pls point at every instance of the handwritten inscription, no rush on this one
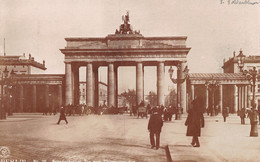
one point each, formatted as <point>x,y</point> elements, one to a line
<point>240,2</point>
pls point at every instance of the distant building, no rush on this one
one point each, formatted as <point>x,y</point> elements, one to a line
<point>232,90</point>
<point>231,66</point>
<point>21,65</point>
<point>27,90</point>
<point>102,93</point>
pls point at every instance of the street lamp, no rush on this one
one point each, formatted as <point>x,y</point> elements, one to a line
<point>241,60</point>
<point>212,84</point>
<point>178,81</point>
<point>251,76</point>
<point>8,82</point>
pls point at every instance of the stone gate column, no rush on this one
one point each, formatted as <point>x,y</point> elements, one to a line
<point>240,97</point>
<point>76,84</point>
<point>243,96</point>
<point>139,83</point>
<point>34,98</point>
<point>90,85</point>
<point>183,88</point>
<point>221,97</point>
<point>192,92</point>
<point>160,83</point>
<point>207,97</point>
<point>116,86</point>
<point>21,98</point>
<point>235,96</point>
<point>68,88</point>
<point>59,95</point>
<point>248,96</point>
<point>96,85</point>
<point>111,85</point>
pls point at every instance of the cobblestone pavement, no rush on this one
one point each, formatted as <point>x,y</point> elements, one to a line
<point>220,141</point>
<point>93,138</point>
<point>124,138</point>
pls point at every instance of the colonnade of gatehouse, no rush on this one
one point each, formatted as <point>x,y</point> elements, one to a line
<point>92,74</point>
<point>222,90</point>
<point>36,93</point>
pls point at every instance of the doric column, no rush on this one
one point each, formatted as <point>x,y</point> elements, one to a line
<point>183,87</point>
<point>76,84</point>
<point>21,98</point>
<point>90,85</point>
<point>160,83</point>
<point>207,98</point>
<point>116,86</point>
<point>248,96</point>
<point>34,98</point>
<point>235,96</point>
<point>59,95</point>
<point>68,88</point>
<point>243,96</point>
<point>111,85</point>
<point>47,99</point>
<point>96,85</point>
<point>139,83</point>
<point>221,97</point>
<point>240,97</point>
<point>192,92</point>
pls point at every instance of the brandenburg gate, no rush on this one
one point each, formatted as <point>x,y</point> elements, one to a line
<point>124,48</point>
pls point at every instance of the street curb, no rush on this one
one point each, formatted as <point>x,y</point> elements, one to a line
<point>168,154</point>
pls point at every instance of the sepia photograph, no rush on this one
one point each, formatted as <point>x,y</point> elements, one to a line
<point>129,80</point>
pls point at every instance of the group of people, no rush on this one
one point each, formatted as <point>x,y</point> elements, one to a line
<point>245,113</point>
<point>194,123</point>
<point>165,111</point>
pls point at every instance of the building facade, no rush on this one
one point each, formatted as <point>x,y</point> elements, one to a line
<point>24,91</point>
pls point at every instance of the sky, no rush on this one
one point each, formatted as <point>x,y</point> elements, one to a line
<point>214,28</point>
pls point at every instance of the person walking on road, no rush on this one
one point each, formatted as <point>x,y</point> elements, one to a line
<point>154,126</point>
<point>62,116</point>
<point>194,122</point>
<point>225,113</point>
<point>242,114</point>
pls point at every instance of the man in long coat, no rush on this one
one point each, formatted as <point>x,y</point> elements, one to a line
<point>225,113</point>
<point>62,116</point>
<point>195,121</point>
<point>155,126</point>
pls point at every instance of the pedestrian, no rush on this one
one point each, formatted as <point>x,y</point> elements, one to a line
<point>225,113</point>
<point>154,126</point>
<point>165,114</point>
<point>242,114</point>
<point>62,116</point>
<point>171,111</point>
<point>194,122</point>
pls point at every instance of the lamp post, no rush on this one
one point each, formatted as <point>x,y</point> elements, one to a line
<point>212,84</point>
<point>178,81</point>
<point>251,76</point>
<point>7,88</point>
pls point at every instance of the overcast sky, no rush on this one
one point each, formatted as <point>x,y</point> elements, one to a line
<point>214,30</point>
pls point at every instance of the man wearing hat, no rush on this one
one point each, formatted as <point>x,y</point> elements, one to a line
<point>62,115</point>
<point>154,126</point>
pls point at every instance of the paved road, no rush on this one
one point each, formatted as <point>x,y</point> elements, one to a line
<point>220,141</point>
<point>93,137</point>
<point>124,138</point>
